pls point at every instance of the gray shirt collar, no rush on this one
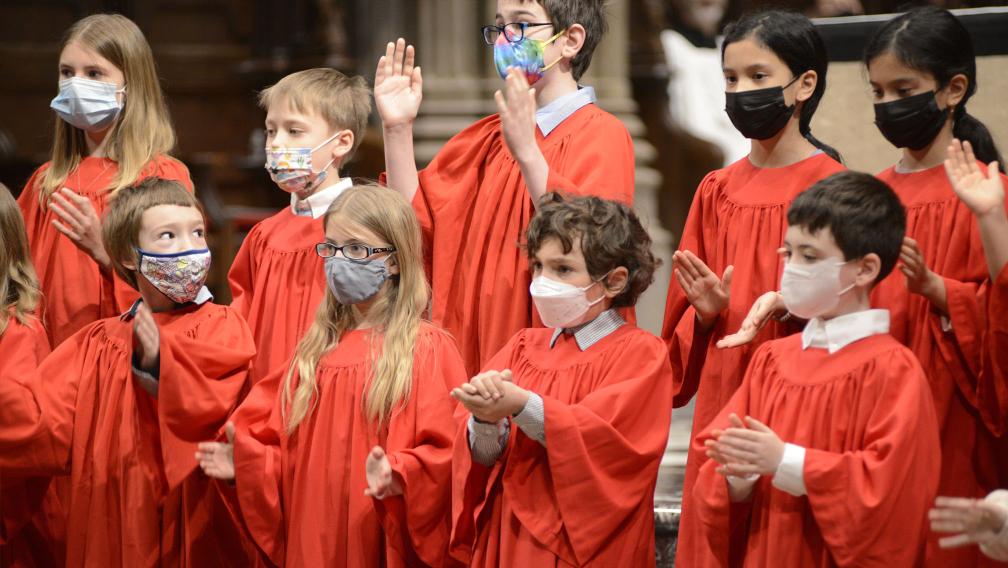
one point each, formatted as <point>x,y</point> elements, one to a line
<point>551,115</point>
<point>590,333</point>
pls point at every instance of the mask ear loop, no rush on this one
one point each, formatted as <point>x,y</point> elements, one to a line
<point>547,42</point>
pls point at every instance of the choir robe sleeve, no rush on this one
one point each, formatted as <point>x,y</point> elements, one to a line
<point>241,276</point>
<point>864,501</point>
<point>686,340</point>
<point>259,430</point>
<point>603,452</point>
<point>36,423</point>
<point>419,448</point>
<point>203,372</point>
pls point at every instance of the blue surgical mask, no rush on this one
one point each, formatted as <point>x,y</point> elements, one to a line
<point>86,104</point>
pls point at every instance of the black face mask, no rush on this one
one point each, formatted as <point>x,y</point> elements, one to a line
<point>761,113</point>
<point>912,122</point>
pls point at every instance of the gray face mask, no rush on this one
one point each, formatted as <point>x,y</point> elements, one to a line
<point>353,282</point>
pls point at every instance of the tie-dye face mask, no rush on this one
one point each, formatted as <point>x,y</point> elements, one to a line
<point>526,54</point>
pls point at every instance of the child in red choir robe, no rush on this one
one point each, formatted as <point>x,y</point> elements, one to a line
<point>113,130</point>
<point>828,453</point>
<point>775,67</point>
<point>23,345</point>
<point>475,199</point>
<point>112,407</point>
<point>343,457</point>
<point>315,120</point>
<point>923,72</point>
<point>557,457</point>
<point>981,521</point>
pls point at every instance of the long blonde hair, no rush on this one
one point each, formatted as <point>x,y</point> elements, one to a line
<point>19,289</point>
<point>143,130</point>
<point>396,312</point>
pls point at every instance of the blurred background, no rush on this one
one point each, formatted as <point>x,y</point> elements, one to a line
<point>658,69</point>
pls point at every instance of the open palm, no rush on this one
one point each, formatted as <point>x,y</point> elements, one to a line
<point>398,86</point>
<point>981,191</point>
<point>217,458</point>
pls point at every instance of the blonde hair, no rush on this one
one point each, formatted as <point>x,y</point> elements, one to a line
<point>143,130</point>
<point>395,313</point>
<point>19,287</point>
<point>124,218</point>
<point>344,102</point>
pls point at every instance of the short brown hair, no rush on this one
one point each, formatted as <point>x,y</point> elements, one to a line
<point>591,14</point>
<point>611,236</point>
<point>344,102</point>
<point>121,226</point>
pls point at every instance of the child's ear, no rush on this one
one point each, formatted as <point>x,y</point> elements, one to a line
<point>572,41</point>
<point>956,88</point>
<point>616,282</point>
<point>342,144</point>
<point>393,265</point>
<point>868,270</point>
<point>806,85</point>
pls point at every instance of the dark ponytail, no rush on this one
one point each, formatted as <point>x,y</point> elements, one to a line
<point>793,38</point>
<point>932,40</point>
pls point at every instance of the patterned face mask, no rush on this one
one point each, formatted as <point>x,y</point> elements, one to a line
<point>180,276</point>
<point>291,167</point>
<point>526,54</point>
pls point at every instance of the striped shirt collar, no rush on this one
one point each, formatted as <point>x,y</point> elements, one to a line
<point>588,334</point>
<point>202,297</point>
<point>553,114</point>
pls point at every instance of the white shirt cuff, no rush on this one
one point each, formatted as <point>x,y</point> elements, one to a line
<point>790,477</point>
<point>532,419</point>
<point>487,441</point>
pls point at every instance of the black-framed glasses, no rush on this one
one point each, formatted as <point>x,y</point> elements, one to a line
<point>351,251</point>
<point>513,32</point>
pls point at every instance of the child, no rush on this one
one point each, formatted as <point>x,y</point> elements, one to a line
<point>775,66</point>
<point>343,457</point>
<point>476,197</point>
<point>591,397</point>
<point>837,458</point>
<point>315,120</point>
<point>113,130</point>
<point>922,71</point>
<point>113,406</point>
<point>23,345</point>
<point>983,521</point>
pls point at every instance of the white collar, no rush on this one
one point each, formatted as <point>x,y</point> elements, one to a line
<point>203,296</point>
<point>836,333</point>
<point>319,201</point>
<point>553,114</point>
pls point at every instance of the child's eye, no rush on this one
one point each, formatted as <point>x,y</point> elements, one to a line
<point>199,233</point>
<point>94,74</point>
<point>730,80</point>
<point>166,235</point>
<point>904,92</point>
<point>809,258</point>
<point>66,73</point>
<point>759,76</point>
<point>270,133</point>
<point>294,131</point>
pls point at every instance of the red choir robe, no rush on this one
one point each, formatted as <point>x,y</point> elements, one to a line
<point>130,467</point>
<point>23,538</point>
<point>277,282</point>
<point>587,497</point>
<point>738,218</point>
<point>997,339</point>
<point>971,404</point>
<point>866,419</point>
<point>75,292</point>
<point>473,207</point>
<point>301,496</point>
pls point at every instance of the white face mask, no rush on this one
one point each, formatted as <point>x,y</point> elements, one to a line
<point>560,304</point>
<point>86,104</point>
<point>811,290</point>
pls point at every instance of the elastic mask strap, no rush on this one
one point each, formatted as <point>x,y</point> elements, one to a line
<point>330,139</point>
<point>549,41</point>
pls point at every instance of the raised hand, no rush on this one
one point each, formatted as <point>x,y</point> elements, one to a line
<point>79,222</point>
<point>759,314</point>
<point>976,520</point>
<point>148,337</point>
<point>919,278</point>
<point>381,481</point>
<point>217,458</point>
<point>708,293</point>
<point>982,192</point>
<point>398,86</point>
<point>516,105</point>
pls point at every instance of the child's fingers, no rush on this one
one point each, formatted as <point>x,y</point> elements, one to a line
<point>757,425</point>
<point>407,68</point>
<point>502,107</point>
<point>389,51</point>
<point>416,81</point>
<point>954,502</point>
<point>398,55</point>
<point>67,231</point>
<point>736,421</point>
<point>948,526</point>
<point>955,541</point>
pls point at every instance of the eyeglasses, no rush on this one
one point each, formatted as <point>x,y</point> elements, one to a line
<point>351,251</point>
<point>513,32</point>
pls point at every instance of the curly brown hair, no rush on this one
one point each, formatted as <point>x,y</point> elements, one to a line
<point>610,233</point>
